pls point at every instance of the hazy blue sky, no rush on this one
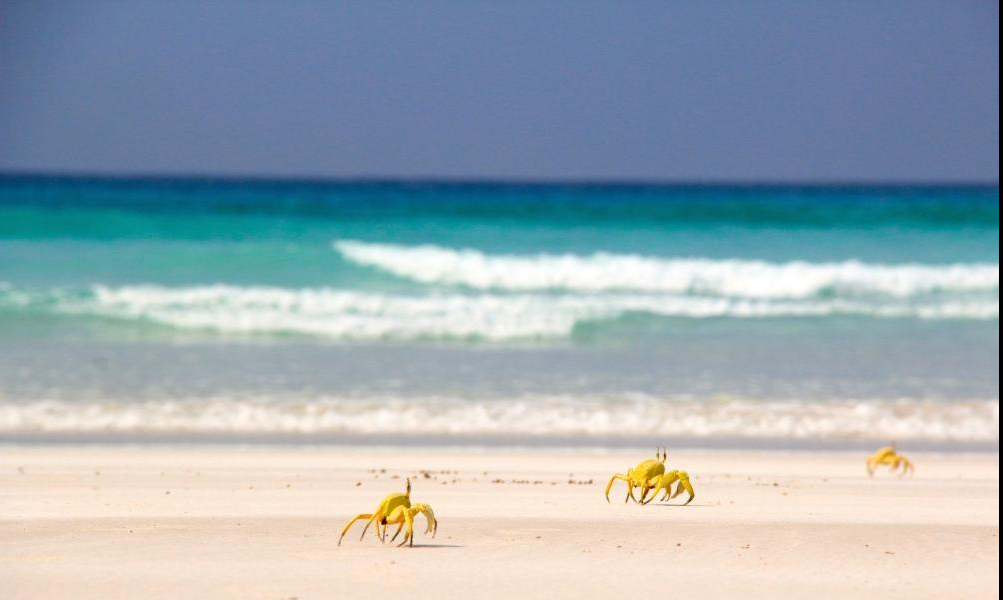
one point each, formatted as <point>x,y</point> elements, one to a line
<point>672,91</point>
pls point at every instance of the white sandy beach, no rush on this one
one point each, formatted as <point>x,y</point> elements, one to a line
<point>263,522</point>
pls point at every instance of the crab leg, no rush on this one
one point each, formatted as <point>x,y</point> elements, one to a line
<point>609,485</point>
<point>400,526</point>
<point>658,484</point>
<point>376,530</point>
<point>631,484</point>
<point>394,518</point>
<point>409,534</point>
<point>653,486</point>
<point>644,492</point>
<point>352,522</point>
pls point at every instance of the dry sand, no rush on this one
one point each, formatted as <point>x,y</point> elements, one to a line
<point>263,522</point>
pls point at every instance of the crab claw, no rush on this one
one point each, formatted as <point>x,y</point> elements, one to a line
<point>431,523</point>
<point>684,483</point>
<point>664,484</point>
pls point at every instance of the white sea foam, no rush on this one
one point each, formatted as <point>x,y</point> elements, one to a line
<point>353,315</point>
<point>627,415</point>
<point>627,272</point>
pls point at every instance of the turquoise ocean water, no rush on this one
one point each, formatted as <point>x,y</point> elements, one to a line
<point>497,313</point>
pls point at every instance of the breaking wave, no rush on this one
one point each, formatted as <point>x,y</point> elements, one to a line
<point>604,272</point>
<point>634,415</point>
<point>355,315</point>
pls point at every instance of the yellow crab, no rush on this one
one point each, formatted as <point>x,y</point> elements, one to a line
<point>888,456</point>
<point>665,482</point>
<point>395,509</point>
<point>643,475</point>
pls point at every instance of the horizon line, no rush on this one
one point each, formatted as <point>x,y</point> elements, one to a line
<point>73,175</point>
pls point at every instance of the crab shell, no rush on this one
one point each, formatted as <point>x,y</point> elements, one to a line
<point>391,502</point>
<point>645,471</point>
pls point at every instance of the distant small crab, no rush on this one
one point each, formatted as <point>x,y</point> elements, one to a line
<point>650,476</point>
<point>890,457</point>
<point>396,509</point>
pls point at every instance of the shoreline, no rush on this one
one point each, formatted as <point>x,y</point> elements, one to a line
<point>227,521</point>
<point>445,442</point>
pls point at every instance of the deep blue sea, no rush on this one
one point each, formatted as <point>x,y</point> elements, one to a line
<point>498,313</point>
